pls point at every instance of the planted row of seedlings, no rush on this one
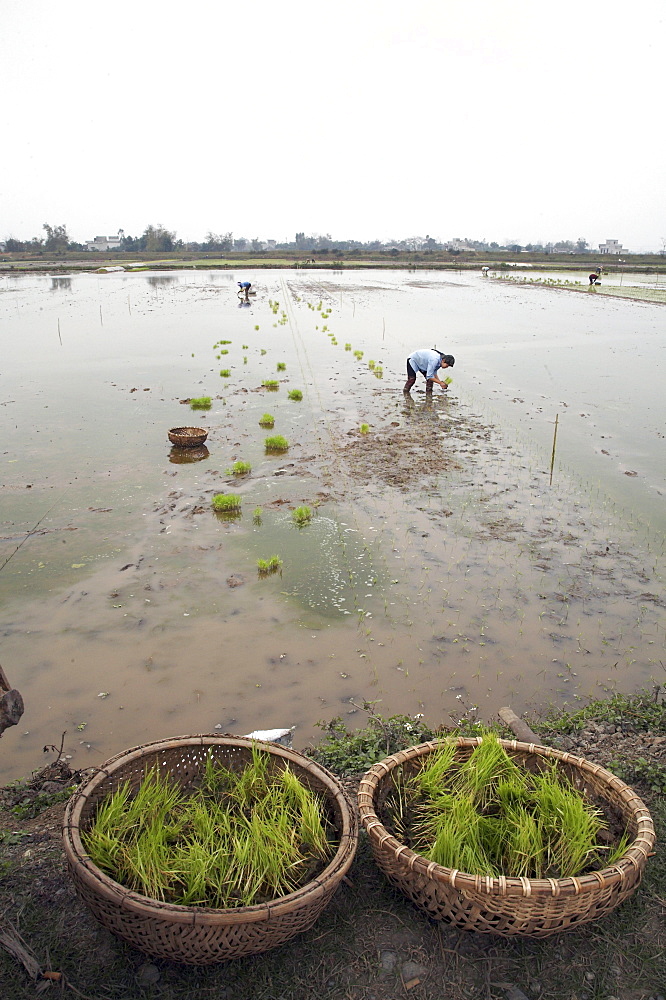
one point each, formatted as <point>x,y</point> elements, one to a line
<point>235,838</point>
<point>487,815</point>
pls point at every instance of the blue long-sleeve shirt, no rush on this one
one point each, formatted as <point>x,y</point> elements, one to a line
<point>427,362</point>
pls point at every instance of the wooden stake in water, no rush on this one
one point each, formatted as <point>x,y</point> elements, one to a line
<point>59,337</point>
<point>552,457</point>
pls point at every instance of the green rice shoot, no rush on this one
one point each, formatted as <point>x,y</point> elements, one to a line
<point>267,420</point>
<point>201,403</point>
<point>236,838</point>
<point>226,503</point>
<point>276,442</point>
<point>488,815</point>
<point>295,394</point>
<point>270,565</point>
<point>239,468</point>
<point>302,515</point>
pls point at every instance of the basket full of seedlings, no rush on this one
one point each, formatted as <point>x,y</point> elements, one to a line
<point>505,837</point>
<point>206,848</point>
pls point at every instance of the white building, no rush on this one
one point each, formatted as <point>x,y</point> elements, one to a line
<point>105,242</point>
<point>611,246</point>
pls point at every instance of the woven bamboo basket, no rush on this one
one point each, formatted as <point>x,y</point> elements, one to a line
<point>505,905</point>
<point>188,437</point>
<point>190,934</point>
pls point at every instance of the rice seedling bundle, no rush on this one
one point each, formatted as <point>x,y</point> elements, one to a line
<point>226,503</point>
<point>201,403</point>
<point>267,420</point>
<point>237,838</point>
<point>271,383</point>
<point>276,442</point>
<point>295,394</point>
<point>239,468</point>
<point>302,515</point>
<point>489,816</point>
<point>271,565</point>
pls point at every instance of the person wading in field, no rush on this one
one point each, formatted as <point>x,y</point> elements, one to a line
<point>428,362</point>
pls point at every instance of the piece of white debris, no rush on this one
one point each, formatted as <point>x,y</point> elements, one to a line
<point>281,736</point>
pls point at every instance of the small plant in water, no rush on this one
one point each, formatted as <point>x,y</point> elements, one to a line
<point>271,383</point>
<point>302,515</point>
<point>226,503</point>
<point>295,394</point>
<point>371,364</point>
<point>263,351</point>
<point>281,366</point>
<point>347,347</point>
<point>240,468</point>
<point>364,428</point>
<point>358,355</point>
<point>201,403</point>
<point>379,372</point>
<point>225,351</point>
<point>256,515</point>
<point>266,566</point>
<point>225,372</point>
<point>267,420</point>
<point>276,443</point>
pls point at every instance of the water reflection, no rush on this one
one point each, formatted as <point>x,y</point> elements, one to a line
<point>60,284</point>
<point>183,456</point>
<point>155,280</point>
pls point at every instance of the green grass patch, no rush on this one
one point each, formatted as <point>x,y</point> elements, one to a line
<point>271,383</point>
<point>364,428</point>
<point>267,420</point>
<point>201,403</point>
<point>295,394</point>
<point>225,372</point>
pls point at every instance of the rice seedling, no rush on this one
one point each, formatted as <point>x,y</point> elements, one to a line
<point>225,372</point>
<point>222,342</point>
<point>379,373</point>
<point>225,351</point>
<point>233,838</point>
<point>358,355</point>
<point>302,515</point>
<point>281,366</point>
<point>256,515</point>
<point>271,383</point>
<point>295,394</point>
<point>244,360</point>
<point>448,380</point>
<point>245,347</point>
<point>263,351</point>
<point>276,442</point>
<point>226,503</point>
<point>239,468</point>
<point>371,364</point>
<point>487,815</point>
<point>267,420</point>
<point>266,566</point>
<point>201,403</point>
<point>364,428</point>
<point>256,327</point>
<point>347,347</point>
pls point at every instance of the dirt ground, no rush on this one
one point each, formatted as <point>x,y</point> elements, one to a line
<point>370,943</point>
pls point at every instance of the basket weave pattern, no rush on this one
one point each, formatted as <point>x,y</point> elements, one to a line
<point>198,935</point>
<point>187,437</point>
<point>505,905</point>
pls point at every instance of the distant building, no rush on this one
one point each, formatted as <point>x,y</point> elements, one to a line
<point>611,246</point>
<point>105,242</point>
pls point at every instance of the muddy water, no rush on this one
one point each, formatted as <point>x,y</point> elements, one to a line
<point>440,571</point>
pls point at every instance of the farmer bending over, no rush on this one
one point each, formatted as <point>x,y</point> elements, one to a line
<point>595,276</point>
<point>428,363</point>
<point>244,288</point>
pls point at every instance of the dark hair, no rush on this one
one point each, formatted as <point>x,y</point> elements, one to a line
<point>449,359</point>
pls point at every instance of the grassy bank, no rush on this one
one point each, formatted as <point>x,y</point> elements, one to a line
<point>370,944</point>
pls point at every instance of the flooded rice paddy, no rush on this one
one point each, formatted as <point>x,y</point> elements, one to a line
<point>441,572</point>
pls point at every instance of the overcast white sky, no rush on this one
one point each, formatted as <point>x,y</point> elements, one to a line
<point>506,120</point>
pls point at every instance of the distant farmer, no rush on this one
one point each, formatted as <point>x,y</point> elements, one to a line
<point>428,362</point>
<point>244,288</point>
<point>595,276</point>
<point>484,271</point>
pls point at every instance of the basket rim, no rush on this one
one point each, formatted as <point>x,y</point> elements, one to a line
<point>182,430</point>
<point>632,861</point>
<point>96,879</point>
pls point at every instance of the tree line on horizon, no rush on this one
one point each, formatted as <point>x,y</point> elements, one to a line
<point>158,239</point>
